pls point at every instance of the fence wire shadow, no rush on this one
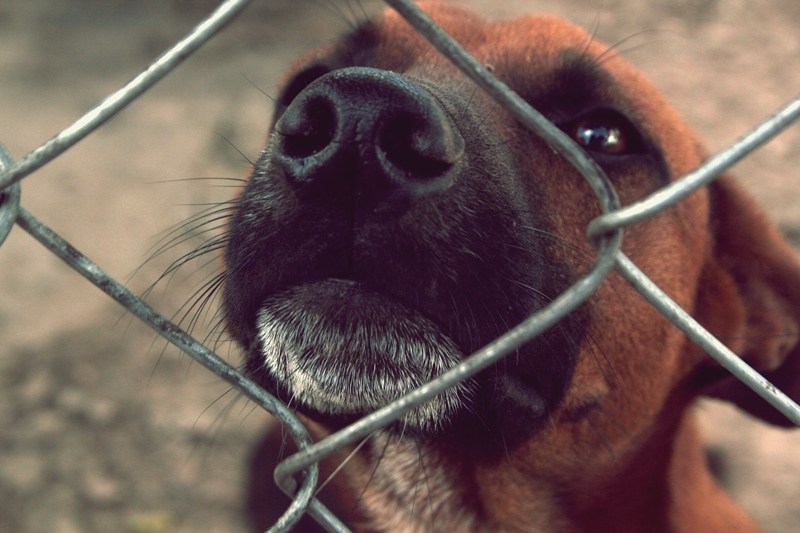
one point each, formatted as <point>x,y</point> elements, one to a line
<point>298,474</point>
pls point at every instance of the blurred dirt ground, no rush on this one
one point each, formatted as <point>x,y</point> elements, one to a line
<point>102,428</point>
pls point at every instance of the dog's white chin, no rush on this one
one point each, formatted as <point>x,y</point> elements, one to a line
<point>341,349</point>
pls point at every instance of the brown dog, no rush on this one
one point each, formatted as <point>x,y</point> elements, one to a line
<point>399,220</point>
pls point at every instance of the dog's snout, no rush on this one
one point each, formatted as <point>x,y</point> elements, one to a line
<point>372,133</point>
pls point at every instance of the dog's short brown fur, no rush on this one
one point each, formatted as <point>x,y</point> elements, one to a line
<point>396,205</point>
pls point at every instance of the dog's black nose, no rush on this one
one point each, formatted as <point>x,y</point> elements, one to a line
<point>369,135</point>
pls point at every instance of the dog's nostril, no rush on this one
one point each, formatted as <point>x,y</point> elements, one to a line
<point>412,146</point>
<point>307,129</point>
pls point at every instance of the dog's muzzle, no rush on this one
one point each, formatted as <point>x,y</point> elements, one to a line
<point>360,141</point>
<point>384,235</point>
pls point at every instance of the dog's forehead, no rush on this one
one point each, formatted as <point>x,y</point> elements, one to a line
<point>539,42</point>
<point>537,55</point>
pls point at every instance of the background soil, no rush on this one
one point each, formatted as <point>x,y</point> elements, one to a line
<point>102,428</point>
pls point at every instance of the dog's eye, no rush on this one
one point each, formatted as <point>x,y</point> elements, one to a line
<point>606,131</point>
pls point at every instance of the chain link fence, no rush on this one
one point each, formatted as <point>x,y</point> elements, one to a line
<point>298,475</point>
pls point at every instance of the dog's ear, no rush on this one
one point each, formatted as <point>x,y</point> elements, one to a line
<point>750,297</point>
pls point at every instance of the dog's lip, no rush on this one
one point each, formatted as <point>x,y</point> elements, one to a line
<point>341,348</point>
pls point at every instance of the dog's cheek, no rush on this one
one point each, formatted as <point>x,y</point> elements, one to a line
<point>636,363</point>
<point>531,387</point>
<point>615,372</point>
<point>527,387</point>
<point>612,374</point>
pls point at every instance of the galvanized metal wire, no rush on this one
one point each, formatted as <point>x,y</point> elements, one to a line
<point>298,474</point>
<point>9,199</point>
<point>118,100</point>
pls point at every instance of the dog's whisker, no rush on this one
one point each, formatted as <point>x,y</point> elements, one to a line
<point>592,38</point>
<point>186,231</point>
<point>603,362</point>
<point>561,241</point>
<point>468,103</point>
<point>616,48</point>
<point>335,8</point>
<point>426,479</point>
<point>234,396</point>
<point>495,108</point>
<point>220,224</point>
<point>237,181</point>
<point>342,464</point>
<point>218,331</point>
<point>258,88</point>
<point>600,432</point>
<point>353,8</point>
<point>372,475</point>
<point>420,472</point>
<point>194,223</point>
<point>238,151</point>
<point>209,246</point>
<point>202,301</point>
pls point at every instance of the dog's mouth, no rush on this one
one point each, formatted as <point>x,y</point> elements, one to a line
<point>339,348</point>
